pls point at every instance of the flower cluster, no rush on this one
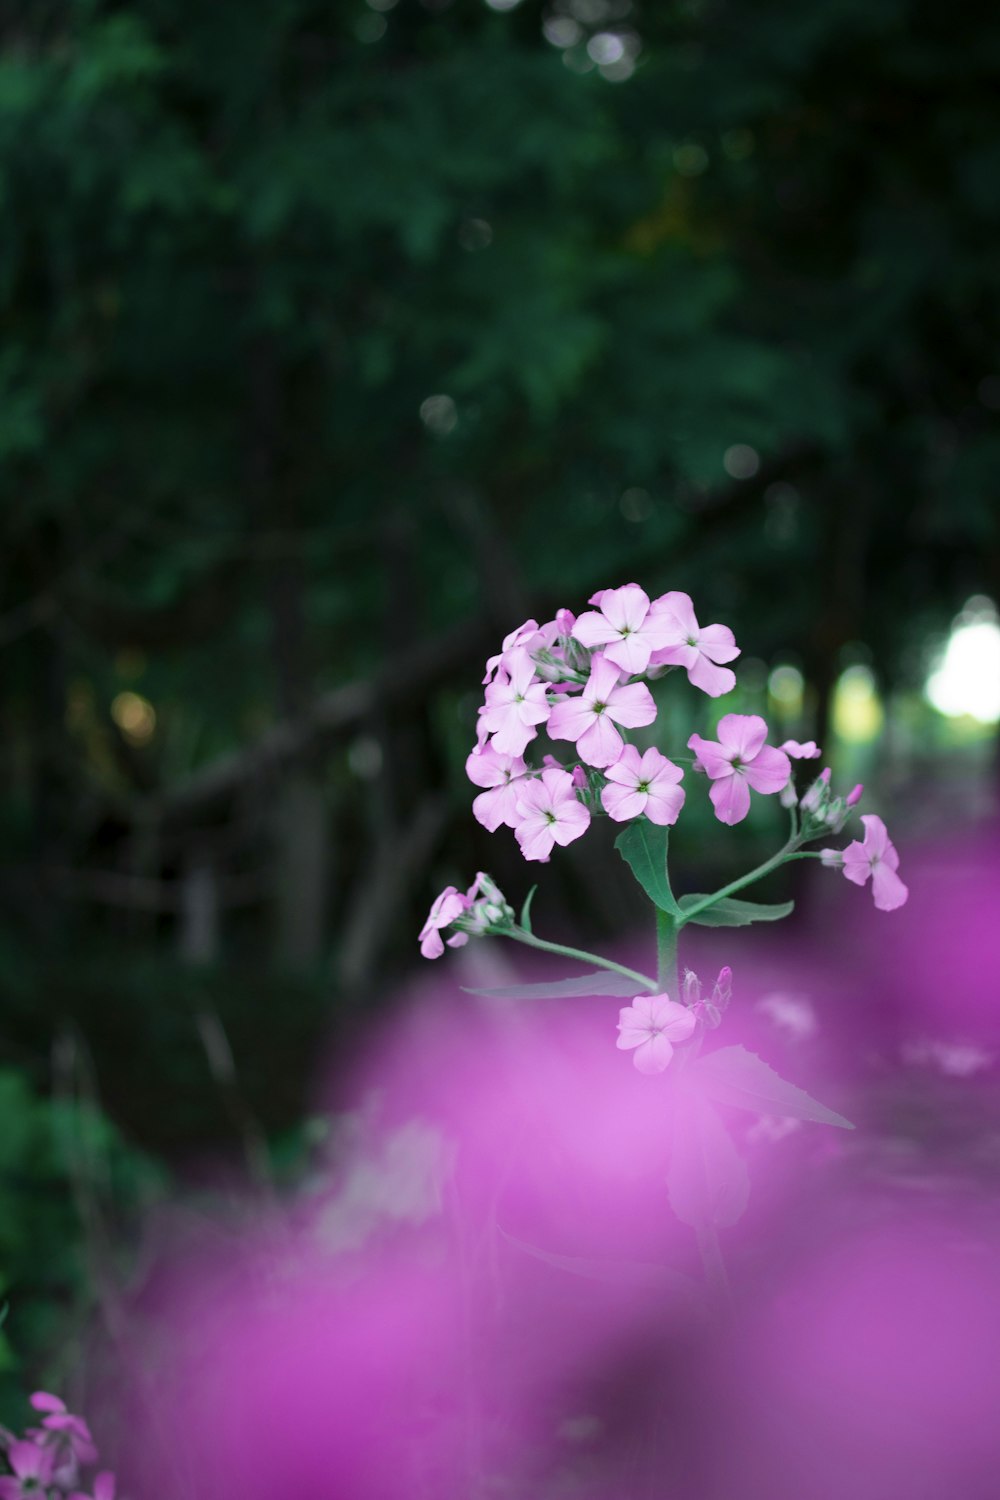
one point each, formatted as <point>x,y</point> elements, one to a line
<point>49,1461</point>
<point>576,677</point>
<point>579,679</point>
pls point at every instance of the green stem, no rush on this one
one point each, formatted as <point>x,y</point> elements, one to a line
<point>520,936</point>
<point>666,954</point>
<point>690,912</point>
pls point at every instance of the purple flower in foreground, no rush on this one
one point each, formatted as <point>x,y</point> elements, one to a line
<point>875,857</point>
<point>651,1025</point>
<point>643,784</point>
<point>737,761</point>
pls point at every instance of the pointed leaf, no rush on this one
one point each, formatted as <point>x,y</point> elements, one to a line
<point>707,1181</point>
<point>732,1075</point>
<point>643,847</point>
<point>731,913</point>
<point>644,1273</point>
<point>526,909</point>
<point>599,982</point>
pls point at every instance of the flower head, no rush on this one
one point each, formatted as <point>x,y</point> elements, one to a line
<point>626,625</point>
<point>548,812</point>
<point>643,784</point>
<point>651,1025</point>
<point>449,905</point>
<point>697,648</point>
<point>737,761</point>
<point>515,704</point>
<point>876,857</point>
<point>590,719</point>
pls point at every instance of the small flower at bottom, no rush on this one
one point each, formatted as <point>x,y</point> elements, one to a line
<point>651,1025</point>
<point>449,905</point>
<point>875,857</point>
<point>549,812</point>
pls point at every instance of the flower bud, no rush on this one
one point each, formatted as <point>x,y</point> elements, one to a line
<point>691,988</point>
<point>854,797</point>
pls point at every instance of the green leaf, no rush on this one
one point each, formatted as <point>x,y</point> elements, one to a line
<point>643,847</point>
<point>526,909</point>
<point>730,913</point>
<point>732,1075</point>
<point>600,982</point>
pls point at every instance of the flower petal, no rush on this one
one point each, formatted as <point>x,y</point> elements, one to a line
<point>622,803</point>
<point>630,652</point>
<point>654,1055</point>
<point>769,771</point>
<point>730,798</point>
<point>632,705</point>
<point>887,888</point>
<point>594,629</point>
<point>710,679</point>
<point>602,744</point>
<point>664,803</point>
<point>718,643</point>
<point>569,719</point>
<point>711,757</point>
<point>743,733</point>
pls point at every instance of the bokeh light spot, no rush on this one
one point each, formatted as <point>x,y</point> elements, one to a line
<point>966,681</point>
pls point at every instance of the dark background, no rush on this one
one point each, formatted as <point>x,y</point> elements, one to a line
<point>336,341</point>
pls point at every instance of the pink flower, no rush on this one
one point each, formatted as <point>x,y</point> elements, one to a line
<point>32,1468</point>
<point>549,812</point>
<point>626,625</point>
<point>696,648</point>
<point>643,784</point>
<point>500,773</point>
<point>590,719</point>
<point>876,857</point>
<point>515,704</point>
<point>738,760</point>
<point>449,905</point>
<point>807,751</point>
<point>652,1024</point>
